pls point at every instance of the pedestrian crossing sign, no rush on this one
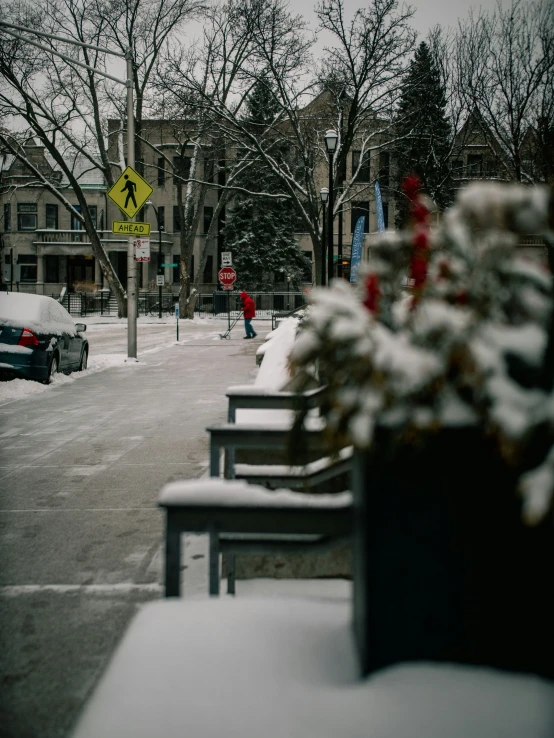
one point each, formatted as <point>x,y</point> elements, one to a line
<point>130,192</point>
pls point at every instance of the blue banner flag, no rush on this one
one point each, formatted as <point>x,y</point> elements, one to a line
<point>379,206</point>
<point>357,241</point>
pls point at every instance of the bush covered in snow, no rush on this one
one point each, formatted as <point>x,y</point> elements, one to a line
<point>471,343</point>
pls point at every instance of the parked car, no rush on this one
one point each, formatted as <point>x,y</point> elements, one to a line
<point>39,338</point>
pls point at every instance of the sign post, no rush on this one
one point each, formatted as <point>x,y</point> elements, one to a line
<point>129,193</point>
<point>227,276</point>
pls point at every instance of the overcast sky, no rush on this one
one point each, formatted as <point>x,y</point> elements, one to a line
<point>428,13</point>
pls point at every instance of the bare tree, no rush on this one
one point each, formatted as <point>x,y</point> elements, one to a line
<point>145,27</point>
<point>506,63</point>
<point>253,40</point>
<point>192,86</point>
<point>65,106</point>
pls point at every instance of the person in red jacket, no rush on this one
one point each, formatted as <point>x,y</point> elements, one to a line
<point>249,311</point>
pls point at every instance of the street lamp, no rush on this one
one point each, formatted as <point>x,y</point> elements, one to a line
<point>160,257</point>
<point>331,138</point>
<point>324,194</point>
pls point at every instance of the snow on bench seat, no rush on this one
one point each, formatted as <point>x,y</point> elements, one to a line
<point>282,470</point>
<point>214,492</point>
<point>286,668</point>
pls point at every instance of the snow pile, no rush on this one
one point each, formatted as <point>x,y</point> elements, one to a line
<point>274,371</point>
<point>472,345</point>
<point>20,389</point>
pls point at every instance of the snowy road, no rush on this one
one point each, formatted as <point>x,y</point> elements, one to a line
<point>81,465</point>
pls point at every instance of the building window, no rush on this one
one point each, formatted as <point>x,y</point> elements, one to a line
<point>307,272</point>
<point>26,216</point>
<point>208,215</point>
<point>181,166</point>
<point>161,171</point>
<point>7,216</point>
<point>208,270</point>
<point>52,218</point>
<point>359,209</point>
<point>364,173</point>
<point>176,219</point>
<point>458,168</point>
<point>51,269</point>
<point>161,217</point>
<point>342,168</point>
<point>191,275</point>
<point>93,212</point>
<point>474,165</point>
<point>384,168</point>
<point>28,264</point>
<point>386,214</point>
<point>76,224</point>
<point>209,165</point>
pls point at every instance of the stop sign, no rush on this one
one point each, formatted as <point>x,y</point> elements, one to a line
<point>227,275</point>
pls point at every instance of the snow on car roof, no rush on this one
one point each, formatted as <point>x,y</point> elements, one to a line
<point>39,313</point>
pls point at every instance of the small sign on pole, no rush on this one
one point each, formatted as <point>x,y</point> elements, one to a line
<point>142,249</point>
<point>160,280</point>
<point>226,258</point>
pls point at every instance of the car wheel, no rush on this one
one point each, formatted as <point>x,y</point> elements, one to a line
<point>53,368</point>
<point>84,361</point>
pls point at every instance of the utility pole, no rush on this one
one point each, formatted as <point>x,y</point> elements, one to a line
<point>132,296</point>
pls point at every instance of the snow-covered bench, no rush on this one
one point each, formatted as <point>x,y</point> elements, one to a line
<point>266,447</point>
<point>230,510</point>
<point>286,667</point>
<point>258,436</point>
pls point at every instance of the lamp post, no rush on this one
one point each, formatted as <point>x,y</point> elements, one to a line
<point>324,195</point>
<point>288,291</point>
<point>160,257</point>
<point>331,138</point>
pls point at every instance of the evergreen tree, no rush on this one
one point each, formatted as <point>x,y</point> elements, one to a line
<point>260,230</point>
<point>424,133</point>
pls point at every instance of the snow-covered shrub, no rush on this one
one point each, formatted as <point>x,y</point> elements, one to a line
<point>471,343</point>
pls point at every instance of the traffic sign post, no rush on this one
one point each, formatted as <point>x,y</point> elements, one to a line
<point>160,280</point>
<point>226,258</point>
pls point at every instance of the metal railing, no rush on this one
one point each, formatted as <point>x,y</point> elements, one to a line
<point>213,304</point>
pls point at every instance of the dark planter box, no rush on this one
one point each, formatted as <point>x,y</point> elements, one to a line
<point>444,569</point>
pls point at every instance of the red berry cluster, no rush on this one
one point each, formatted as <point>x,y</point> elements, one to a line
<point>419,212</point>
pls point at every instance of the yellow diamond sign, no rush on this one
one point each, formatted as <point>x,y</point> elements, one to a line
<point>130,192</point>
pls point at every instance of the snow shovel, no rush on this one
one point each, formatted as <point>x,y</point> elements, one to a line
<point>230,328</point>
